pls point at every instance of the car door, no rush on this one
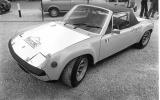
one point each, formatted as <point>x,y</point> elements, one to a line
<point>64,5</point>
<point>75,2</point>
<point>112,43</point>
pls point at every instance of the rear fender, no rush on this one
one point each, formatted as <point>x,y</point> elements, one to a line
<point>146,26</point>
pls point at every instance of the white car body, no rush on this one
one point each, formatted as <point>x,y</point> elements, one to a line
<point>62,43</point>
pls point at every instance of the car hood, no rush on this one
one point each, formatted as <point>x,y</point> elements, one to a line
<point>46,39</point>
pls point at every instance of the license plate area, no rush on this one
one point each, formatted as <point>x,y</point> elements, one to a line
<point>33,41</point>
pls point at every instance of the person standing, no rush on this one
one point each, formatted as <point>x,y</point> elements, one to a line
<point>131,3</point>
<point>144,9</point>
<point>153,8</point>
<point>127,3</point>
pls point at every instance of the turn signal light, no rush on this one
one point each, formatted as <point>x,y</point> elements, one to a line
<point>54,64</point>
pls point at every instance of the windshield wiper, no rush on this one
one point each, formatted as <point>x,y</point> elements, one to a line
<point>69,24</point>
<point>79,24</point>
<point>87,25</point>
<point>92,26</point>
<point>66,23</point>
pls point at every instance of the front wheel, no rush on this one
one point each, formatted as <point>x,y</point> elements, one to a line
<point>144,40</point>
<point>75,71</point>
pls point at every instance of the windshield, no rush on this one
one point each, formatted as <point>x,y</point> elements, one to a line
<point>88,18</point>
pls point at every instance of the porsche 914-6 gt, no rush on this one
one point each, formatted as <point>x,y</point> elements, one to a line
<point>87,34</point>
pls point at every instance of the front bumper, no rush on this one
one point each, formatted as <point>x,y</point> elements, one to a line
<point>27,67</point>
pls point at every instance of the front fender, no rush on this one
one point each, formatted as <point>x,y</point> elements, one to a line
<point>89,46</point>
<point>65,56</point>
<point>73,53</point>
<point>68,56</point>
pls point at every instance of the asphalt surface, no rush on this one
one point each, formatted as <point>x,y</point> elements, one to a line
<point>30,11</point>
<point>129,75</point>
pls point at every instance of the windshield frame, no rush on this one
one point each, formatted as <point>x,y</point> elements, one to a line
<point>105,25</point>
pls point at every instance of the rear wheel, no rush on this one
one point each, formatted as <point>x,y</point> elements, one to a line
<point>53,12</point>
<point>75,71</point>
<point>8,6</point>
<point>2,7</point>
<point>0,11</point>
<point>144,40</point>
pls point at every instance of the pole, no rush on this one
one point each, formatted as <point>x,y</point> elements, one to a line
<point>117,2</point>
<point>42,10</point>
<point>87,1</point>
<point>19,10</point>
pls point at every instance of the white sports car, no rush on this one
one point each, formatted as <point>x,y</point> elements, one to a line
<point>87,34</point>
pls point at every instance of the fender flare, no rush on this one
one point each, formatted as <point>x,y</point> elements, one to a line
<point>147,29</point>
<point>53,6</point>
<point>144,29</point>
<point>70,56</point>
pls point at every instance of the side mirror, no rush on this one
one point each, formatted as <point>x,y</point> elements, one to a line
<point>117,31</point>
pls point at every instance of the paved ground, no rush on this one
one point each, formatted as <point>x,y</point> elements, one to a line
<point>129,75</point>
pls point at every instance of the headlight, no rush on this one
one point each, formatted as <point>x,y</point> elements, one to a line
<point>54,64</point>
<point>37,60</point>
<point>15,39</point>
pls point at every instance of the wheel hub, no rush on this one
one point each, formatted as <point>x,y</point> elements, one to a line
<point>82,68</point>
<point>54,13</point>
<point>146,38</point>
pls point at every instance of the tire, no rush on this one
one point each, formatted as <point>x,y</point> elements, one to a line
<point>71,75</point>
<point>144,40</point>
<point>53,12</point>
<point>135,9</point>
<point>1,9</point>
<point>2,6</point>
<point>8,6</point>
<point>0,12</point>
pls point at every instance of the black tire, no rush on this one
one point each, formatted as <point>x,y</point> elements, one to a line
<point>135,9</point>
<point>1,10</point>
<point>8,6</point>
<point>69,75</point>
<point>144,40</point>
<point>2,6</point>
<point>53,12</point>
